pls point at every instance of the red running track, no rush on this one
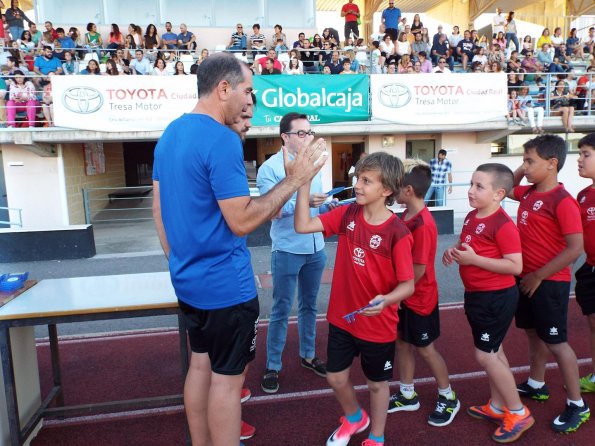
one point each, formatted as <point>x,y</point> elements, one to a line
<point>304,411</point>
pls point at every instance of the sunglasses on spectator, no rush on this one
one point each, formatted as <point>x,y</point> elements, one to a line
<point>441,61</point>
<point>302,133</point>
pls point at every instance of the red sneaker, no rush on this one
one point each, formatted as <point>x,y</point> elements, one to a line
<point>343,433</point>
<point>247,431</point>
<point>513,426</point>
<point>245,395</point>
<point>485,413</point>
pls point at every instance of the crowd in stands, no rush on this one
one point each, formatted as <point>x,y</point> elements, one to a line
<point>397,48</point>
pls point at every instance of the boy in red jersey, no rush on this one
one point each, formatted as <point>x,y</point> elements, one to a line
<point>419,320</point>
<point>373,266</point>
<point>585,276</point>
<point>552,238</point>
<point>489,256</point>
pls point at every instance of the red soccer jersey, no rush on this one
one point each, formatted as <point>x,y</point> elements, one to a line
<point>371,260</point>
<point>492,237</point>
<point>425,239</point>
<point>350,9</point>
<point>586,201</point>
<point>544,218</point>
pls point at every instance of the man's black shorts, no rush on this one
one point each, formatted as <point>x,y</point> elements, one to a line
<point>377,358</point>
<point>228,335</point>
<point>546,311</point>
<point>490,314</point>
<point>585,288</point>
<point>416,329</point>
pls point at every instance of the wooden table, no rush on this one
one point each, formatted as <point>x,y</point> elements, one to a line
<point>58,301</point>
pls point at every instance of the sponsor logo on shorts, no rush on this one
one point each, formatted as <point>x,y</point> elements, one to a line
<point>375,241</point>
<point>485,337</point>
<point>358,256</point>
<point>554,331</point>
<point>480,228</point>
<point>424,337</point>
<point>351,226</point>
<point>388,365</point>
<point>537,205</point>
<point>253,344</point>
<point>524,217</point>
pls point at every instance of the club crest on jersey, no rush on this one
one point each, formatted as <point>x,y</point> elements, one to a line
<point>358,256</point>
<point>375,241</point>
<point>351,226</point>
<point>591,214</point>
<point>537,205</point>
<point>480,228</point>
<point>468,239</point>
<point>466,221</point>
<point>583,199</point>
<point>524,217</point>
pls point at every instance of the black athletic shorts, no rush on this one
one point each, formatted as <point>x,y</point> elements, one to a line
<point>585,288</point>
<point>490,314</point>
<point>377,358</point>
<point>228,335</point>
<point>546,311</point>
<point>416,329</point>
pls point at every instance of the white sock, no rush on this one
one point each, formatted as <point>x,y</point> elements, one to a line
<point>520,411</point>
<point>447,393</point>
<point>408,390</point>
<point>535,384</point>
<point>579,403</point>
<point>496,409</point>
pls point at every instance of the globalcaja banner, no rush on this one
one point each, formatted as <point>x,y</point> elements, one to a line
<point>324,99</point>
<point>435,98</point>
<point>123,103</point>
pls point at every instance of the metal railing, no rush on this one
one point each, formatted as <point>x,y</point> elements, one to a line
<point>118,204</point>
<point>19,212</point>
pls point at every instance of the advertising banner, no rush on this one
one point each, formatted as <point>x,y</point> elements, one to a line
<point>123,103</point>
<point>436,98</point>
<point>324,99</point>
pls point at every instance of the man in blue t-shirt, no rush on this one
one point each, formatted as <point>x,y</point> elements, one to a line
<point>391,17</point>
<point>169,40</point>
<point>203,211</point>
<point>186,40</point>
<point>47,62</point>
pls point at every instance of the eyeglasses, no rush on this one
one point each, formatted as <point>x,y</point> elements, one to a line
<point>302,133</point>
<point>240,27</point>
<point>441,61</point>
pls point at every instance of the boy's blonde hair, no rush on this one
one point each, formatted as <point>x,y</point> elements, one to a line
<point>390,168</point>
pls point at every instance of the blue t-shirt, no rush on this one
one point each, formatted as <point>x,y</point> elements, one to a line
<point>391,17</point>
<point>197,162</point>
<point>170,36</point>
<point>45,66</point>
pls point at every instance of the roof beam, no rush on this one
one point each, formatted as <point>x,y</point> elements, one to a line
<point>478,7</point>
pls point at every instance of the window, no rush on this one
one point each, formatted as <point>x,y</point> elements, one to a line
<point>179,11</point>
<point>66,11</point>
<point>140,12</point>
<point>302,13</point>
<point>420,148</point>
<point>231,12</point>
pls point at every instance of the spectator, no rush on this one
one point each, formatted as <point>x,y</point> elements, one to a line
<point>169,39</point>
<point>36,35</point>
<point>111,68</point>
<point>404,64</point>
<point>294,67</point>
<point>585,83</point>
<point>179,68</point>
<point>93,68</point>
<point>316,41</point>
<point>309,57</point>
<point>574,47</point>
<point>118,57</point>
<point>140,64</point>
<point>347,67</point>
<point>483,43</point>
<point>391,17</point>
<point>402,25</point>
<point>3,91</point>
<point>515,114</point>
<point>362,55</point>
<point>15,18</point>
<point>441,168</point>
<point>425,66</point>
<point>186,40</point>
<point>47,62</point>
<point>560,103</point>
<point>530,63</point>
<point>417,67</point>
<point>137,34</point>
<point>530,110</point>
<point>408,34</point>
<point>440,49</point>
<point>257,41</point>
<point>436,36</point>
<point>379,36</point>
<point>497,55</point>
<point>47,101</point>
<point>499,40</point>
<point>73,33</point>
<point>352,16</point>
<point>475,36</point>
<point>514,82</point>
<point>65,41</point>
<point>239,40</point>
<point>514,64</point>
<point>466,49</point>
<point>299,42</point>
<point>391,68</point>
<point>493,67</point>
<point>350,54</point>
<point>562,59</point>
<point>325,55</point>
<point>260,64</point>
<point>527,45</point>
<point>50,34</point>
<point>70,65</point>
<point>441,67</point>
<point>589,43</point>
<point>387,50</point>
<point>93,41</point>
<point>326,70</point>
<point>349,44</point>
<point>280,47</point>
<point>335,63</point>
<point>269,67</point>
<point>26,44</point>
<point>151,42</point>
<point>545,58</point>
<point>59,51</point>
<point>278,34</point>
<point>511,31</point>
<point>375,58</point>
<point>418,46</point>
<point>116,38</point>
<point>21,97</point>
<point>160,68</point>
<point>453,42</point>
<point>545,38</point>
<point>556,40</point>
<point>416,25</point>
<point>498,23</point>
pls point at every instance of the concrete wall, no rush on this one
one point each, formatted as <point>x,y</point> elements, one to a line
<point>76,179</point>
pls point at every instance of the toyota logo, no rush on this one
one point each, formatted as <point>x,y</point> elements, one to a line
<point>394,95</point>
<point>359,253</point>
<point>591,211</point>
<point>82,100</point>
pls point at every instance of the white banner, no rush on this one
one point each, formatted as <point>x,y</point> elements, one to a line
<point>438,98</point>
<point>121,103</point>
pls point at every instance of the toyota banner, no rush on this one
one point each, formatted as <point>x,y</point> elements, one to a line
<point>422,99</point>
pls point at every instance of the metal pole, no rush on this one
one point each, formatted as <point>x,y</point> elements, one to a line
<point>87,206</point>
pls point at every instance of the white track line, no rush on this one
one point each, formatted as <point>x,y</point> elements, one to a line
<point>272,398</point>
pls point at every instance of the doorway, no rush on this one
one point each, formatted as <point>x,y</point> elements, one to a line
<point>138,163</point>
<point>345,155</point>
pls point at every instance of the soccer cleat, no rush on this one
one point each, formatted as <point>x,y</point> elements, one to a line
<point>513,426</point>
<point>444,412</point>
<point>317,366</point>
<point>245,395</point>
<point>370,442</point>
<point>485,413</point>
<point>542,394</point>
<point>247,431</point>
<point>571,419</point>
<point>398,403</point>
<point>587,385</point>
<point>270,381</point>
<point>343,433</point>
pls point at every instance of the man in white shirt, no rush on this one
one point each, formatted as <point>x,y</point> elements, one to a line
<point>140,64</point>
<point>441,66</point>
<point>498,23</point>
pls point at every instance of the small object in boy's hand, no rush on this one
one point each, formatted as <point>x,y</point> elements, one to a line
<point>350,317</point>
<point>338,190</point>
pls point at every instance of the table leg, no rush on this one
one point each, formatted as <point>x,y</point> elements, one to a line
<point>12,406</point>
<point>56,370</point>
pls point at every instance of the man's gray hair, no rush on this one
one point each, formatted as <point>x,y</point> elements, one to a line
<point>217,68</point>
